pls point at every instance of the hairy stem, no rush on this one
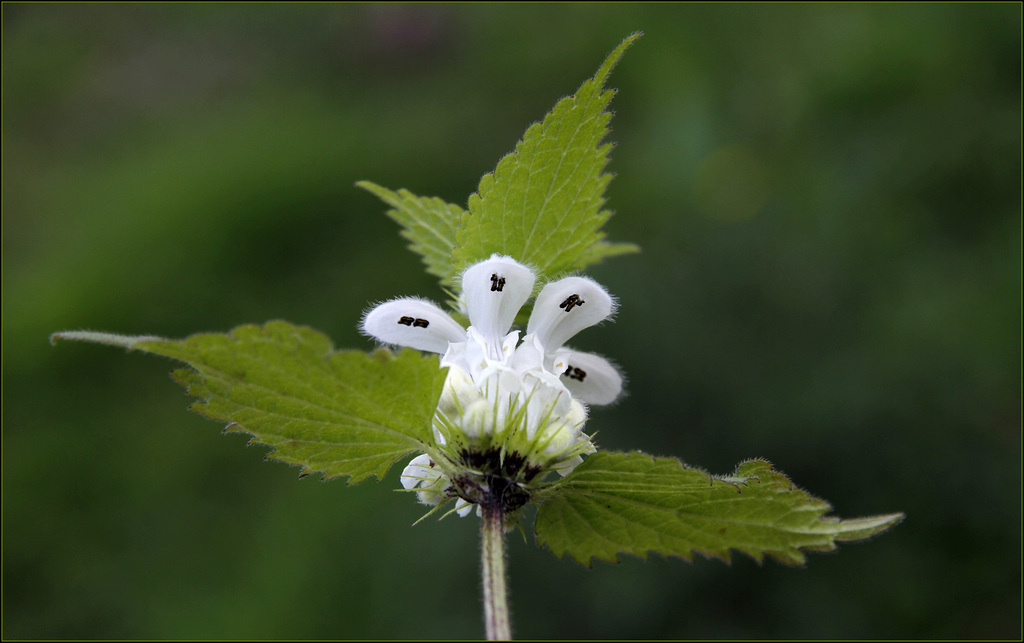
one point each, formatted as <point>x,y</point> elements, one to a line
<point>493,559</point>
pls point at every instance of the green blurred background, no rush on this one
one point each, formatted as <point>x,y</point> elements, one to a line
<point>828,199</point>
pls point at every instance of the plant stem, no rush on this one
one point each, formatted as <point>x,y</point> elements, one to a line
<point>492,558</point>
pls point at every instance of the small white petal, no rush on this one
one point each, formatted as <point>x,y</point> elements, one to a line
<point>477,420</point>
<point>589,377</point>
<point>494,290</point>
<point>508,346</point>
<point>565,467</point>
<point>567,306</point>
<point>549,404</point>
<point>458,393</point>
<point>576,417</point>
<point>529,355</point>
<point>422,475</point>
<point>419,472</point>
<point>415,323</point>
<point>481,353</point>
<point>559,436</point>
<point>463,508</point>
<point>455,357</point>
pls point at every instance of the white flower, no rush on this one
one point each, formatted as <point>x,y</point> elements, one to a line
<point>562,309</point>
<point>493,292</point>
<point>422,474</point>
<point>520,401</point>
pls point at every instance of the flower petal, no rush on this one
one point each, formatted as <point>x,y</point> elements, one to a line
<point>420,474</point>
<point>419,471</point>
<point>415,323</point>
<point>565,467</point>
<point>589,377</point>
<point>463,507</point>
<point>458,393</point>
<point>567,306</point>
<point>494,290</point>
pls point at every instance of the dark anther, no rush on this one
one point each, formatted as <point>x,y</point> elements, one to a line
<point>575,373</point>
<point>420,323</point>
<point>497,283</point>
<point>570,301</point>
<point>406,321</point>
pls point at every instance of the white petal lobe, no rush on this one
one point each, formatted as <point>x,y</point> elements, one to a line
<point>414,323</point>
<point>494,290</point>
<point>567,306</point>
<point>418,471</point>
<point>589,377</point>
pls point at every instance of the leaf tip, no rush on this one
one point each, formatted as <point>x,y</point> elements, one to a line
<point>863,528</point>
<point>613,58</point>
<point>110,339</point>
<point>369,186</point>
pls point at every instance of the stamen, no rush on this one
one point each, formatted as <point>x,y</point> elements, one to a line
<point>497,283</point>
<point>415,322</point>
<point>574,373</point>
<point>570,301</point>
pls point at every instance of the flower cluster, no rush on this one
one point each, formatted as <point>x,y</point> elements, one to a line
<point>511,411</point>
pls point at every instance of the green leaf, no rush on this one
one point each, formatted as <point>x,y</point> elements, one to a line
<point>633,503</point>
<point>428,222</point>
<point>542,204</point>
<point>603,250</point>
<point>342,413</point>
